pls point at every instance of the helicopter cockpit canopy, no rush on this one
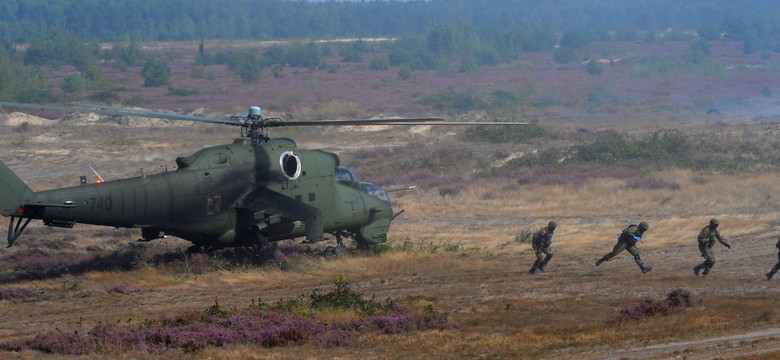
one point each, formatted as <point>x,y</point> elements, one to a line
<point>376,192</point>
<point>347,177</point>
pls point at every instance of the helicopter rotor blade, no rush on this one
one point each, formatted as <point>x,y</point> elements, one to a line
<point>110,110</point>
<point>404,121</point>
<point>258,123</point>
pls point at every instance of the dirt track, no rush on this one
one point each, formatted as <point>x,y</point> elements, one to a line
<point>720,347</point>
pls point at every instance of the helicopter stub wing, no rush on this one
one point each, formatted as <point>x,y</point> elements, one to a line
<point>264,200</point>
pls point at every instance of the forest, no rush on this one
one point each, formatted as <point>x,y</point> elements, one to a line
<point>24,20</point>
<point>446,36</point>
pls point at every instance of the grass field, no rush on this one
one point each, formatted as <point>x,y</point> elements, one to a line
<point>453,264</point>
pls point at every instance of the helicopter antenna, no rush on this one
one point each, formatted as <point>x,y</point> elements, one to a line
<point>97,174</point>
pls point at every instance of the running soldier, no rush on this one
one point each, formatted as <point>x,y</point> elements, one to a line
<point>541,242</point>
<point>627,241</point>
<point>707,238</point>
<point>774,270</point>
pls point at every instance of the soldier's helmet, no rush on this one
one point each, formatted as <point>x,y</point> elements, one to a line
<point>714,222</point>
<point>552,224</point>
<point>643,225</point>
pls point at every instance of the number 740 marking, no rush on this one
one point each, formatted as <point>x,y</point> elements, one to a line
<point>99,203</point>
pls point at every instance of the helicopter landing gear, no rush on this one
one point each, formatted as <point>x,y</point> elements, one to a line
<point>261,240</point>
<point>339,250</point>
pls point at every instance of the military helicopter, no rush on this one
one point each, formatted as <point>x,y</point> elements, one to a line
<point>249,193</point>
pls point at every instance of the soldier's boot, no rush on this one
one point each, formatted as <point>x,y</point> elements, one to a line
<point>534,267</point>
<point>772,272</point>
<point>603,259</point>
<point>696,269</point>
<point>642,266</point>
<point>707,266</point>
<point>544,262</point>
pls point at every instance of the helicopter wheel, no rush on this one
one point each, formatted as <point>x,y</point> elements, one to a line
<point>338,251</point>
<point>341,251</point>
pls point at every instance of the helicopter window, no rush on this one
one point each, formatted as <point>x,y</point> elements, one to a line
<point>312,197</point>
<point>376,192</point>
<point>291,165</point>
<point>347,177</point>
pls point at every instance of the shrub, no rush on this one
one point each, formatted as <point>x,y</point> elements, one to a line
<point>564,55</point>
<point>404,72</point>
<point>258,324</point>
<point>24,127</point>
<point>105,96</point>
<point>156,72</point>
<point>303,55</point>
<point>676,302</point>
<point>524,236</point>
<point>379,63</point>
<point>15,293</point>
<point>344,298</point>
<point>453,101</point>
<point>73,82</point>
<point>594,68</point>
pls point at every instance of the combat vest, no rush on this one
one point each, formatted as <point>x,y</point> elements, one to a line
<point>630,235</point>
<point>707,236</point>
<point>542,238</point>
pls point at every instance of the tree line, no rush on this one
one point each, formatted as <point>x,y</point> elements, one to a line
<point>122,20</point>
<point>453,45</point>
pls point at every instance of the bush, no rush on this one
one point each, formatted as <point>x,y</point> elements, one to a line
<point>379,63</point>
<point>524,236</point>
<point>404,72</point>
<point>106,96</point>
<point>258,324</point>
<point>564,55</point>
<point>676,302</point>
<point>304,55</point>
<point>594,68</point>
<point>156,72</point>
<point>453,101</point>
<point>73,82</point>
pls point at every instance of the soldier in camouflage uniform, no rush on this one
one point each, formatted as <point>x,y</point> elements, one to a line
<point>777,266</point>
<point>707,238</point>
<point>627,241</point>
<point>541,242</point>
